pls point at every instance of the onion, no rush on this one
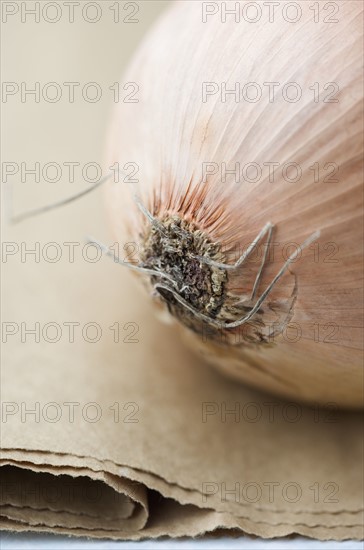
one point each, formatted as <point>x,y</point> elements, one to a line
<point>292,201</point>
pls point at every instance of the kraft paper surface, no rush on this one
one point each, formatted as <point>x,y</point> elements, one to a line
<point>112,428</point>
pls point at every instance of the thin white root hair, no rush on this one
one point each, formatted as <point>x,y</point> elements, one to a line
<point>148,215</point>
<point>63,202</point>
<point>72,198</point>
<point>139,268</point>
<point>268,227</point>
<point>258,277</point>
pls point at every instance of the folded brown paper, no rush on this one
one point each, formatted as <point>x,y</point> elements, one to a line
<point>111,428</point>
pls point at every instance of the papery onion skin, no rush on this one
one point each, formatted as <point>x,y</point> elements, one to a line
<point>170,132</point>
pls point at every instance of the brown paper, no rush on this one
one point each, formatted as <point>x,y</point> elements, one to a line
<point>132,436</point>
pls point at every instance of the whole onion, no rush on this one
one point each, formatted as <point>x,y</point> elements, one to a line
<point>238,125</point>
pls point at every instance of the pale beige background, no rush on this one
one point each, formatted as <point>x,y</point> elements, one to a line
<point>64,52</point>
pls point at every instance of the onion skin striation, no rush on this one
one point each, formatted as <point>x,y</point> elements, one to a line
<point>194,145</point>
